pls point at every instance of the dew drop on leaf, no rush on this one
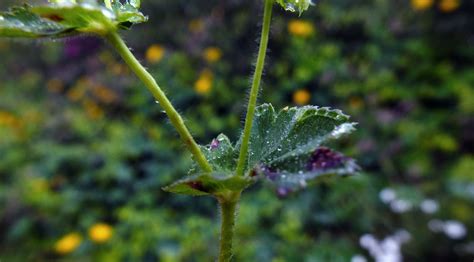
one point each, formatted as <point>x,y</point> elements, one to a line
<point>107,13</point>
<point>290,7</point>
<point>303,183</point>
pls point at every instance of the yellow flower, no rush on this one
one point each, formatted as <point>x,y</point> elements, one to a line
<point>204,83</point>
<point>212,54</point>
<point>449,5</point>
<point>8,119</point>
<point>300,28</point>
<point>421,4</point>
<point>356,103</point>
<point>68,243</point>
<point>78,91</point>
<point>196,25</point>
<point>55,85</point>
<point>118,69</point>
<point>155,53</point>
<point>100,232</point>
<point>39,185</point>
<point>104,94</point>
<point>301,97</point>
<point>93,110</point>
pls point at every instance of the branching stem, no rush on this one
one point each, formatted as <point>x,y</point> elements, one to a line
<point>160,96</point>
<point>267,17</point>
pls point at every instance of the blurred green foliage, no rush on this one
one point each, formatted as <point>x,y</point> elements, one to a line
<point>81,142</point>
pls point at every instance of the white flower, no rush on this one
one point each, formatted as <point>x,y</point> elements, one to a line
<point>436,225</point>
<point>400,206</point>
<point>358,258</point>
<point>454,229</point>
<point>429,206</point>
<point>387,195</point>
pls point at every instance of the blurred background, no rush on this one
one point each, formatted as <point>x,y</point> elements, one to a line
<point>84,149</point>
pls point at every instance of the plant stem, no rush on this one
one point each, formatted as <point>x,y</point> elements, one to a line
<point>267,17</point>
<point>228,214</point>
<point>160,96</point>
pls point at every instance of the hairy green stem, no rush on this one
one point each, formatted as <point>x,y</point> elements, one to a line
<point>160,96</point>
<point>267,17</point>
<point>228,214</point>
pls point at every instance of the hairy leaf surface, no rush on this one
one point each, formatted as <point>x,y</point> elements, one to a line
<point>222,156</point>
<point>285,147</point>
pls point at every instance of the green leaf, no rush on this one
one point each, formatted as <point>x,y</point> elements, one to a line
<point>322,162</point>
<point>79,18</point>
<point>285,147</point>
<point>128,14</point>
<point>135,3</point>
<point>209,184</point>
<point>221,154</point>
<point>20,22</point>
<point>295,5</point>
<point>66,17</point>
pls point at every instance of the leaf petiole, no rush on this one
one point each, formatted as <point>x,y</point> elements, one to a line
<point>116,41</point>
<point>267,17</point>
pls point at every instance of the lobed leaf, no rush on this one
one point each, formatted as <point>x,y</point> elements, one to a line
<point>322,162</point>
<point>68,17</point>
<point>221,154</point>
<point>285,147</point>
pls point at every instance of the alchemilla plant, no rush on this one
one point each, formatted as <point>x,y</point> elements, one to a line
<point>283,148</point>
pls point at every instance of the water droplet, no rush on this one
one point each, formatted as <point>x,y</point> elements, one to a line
<point>290,7</point>
<point>157,102</point>
<point>342,129</point>
<point>107,13</point>
<point>303,183</point>
<point>87,6</point>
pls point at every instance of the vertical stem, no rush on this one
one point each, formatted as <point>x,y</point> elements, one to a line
<point>160,96</point>
<point>267,17</point>
<point>228,215</point>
